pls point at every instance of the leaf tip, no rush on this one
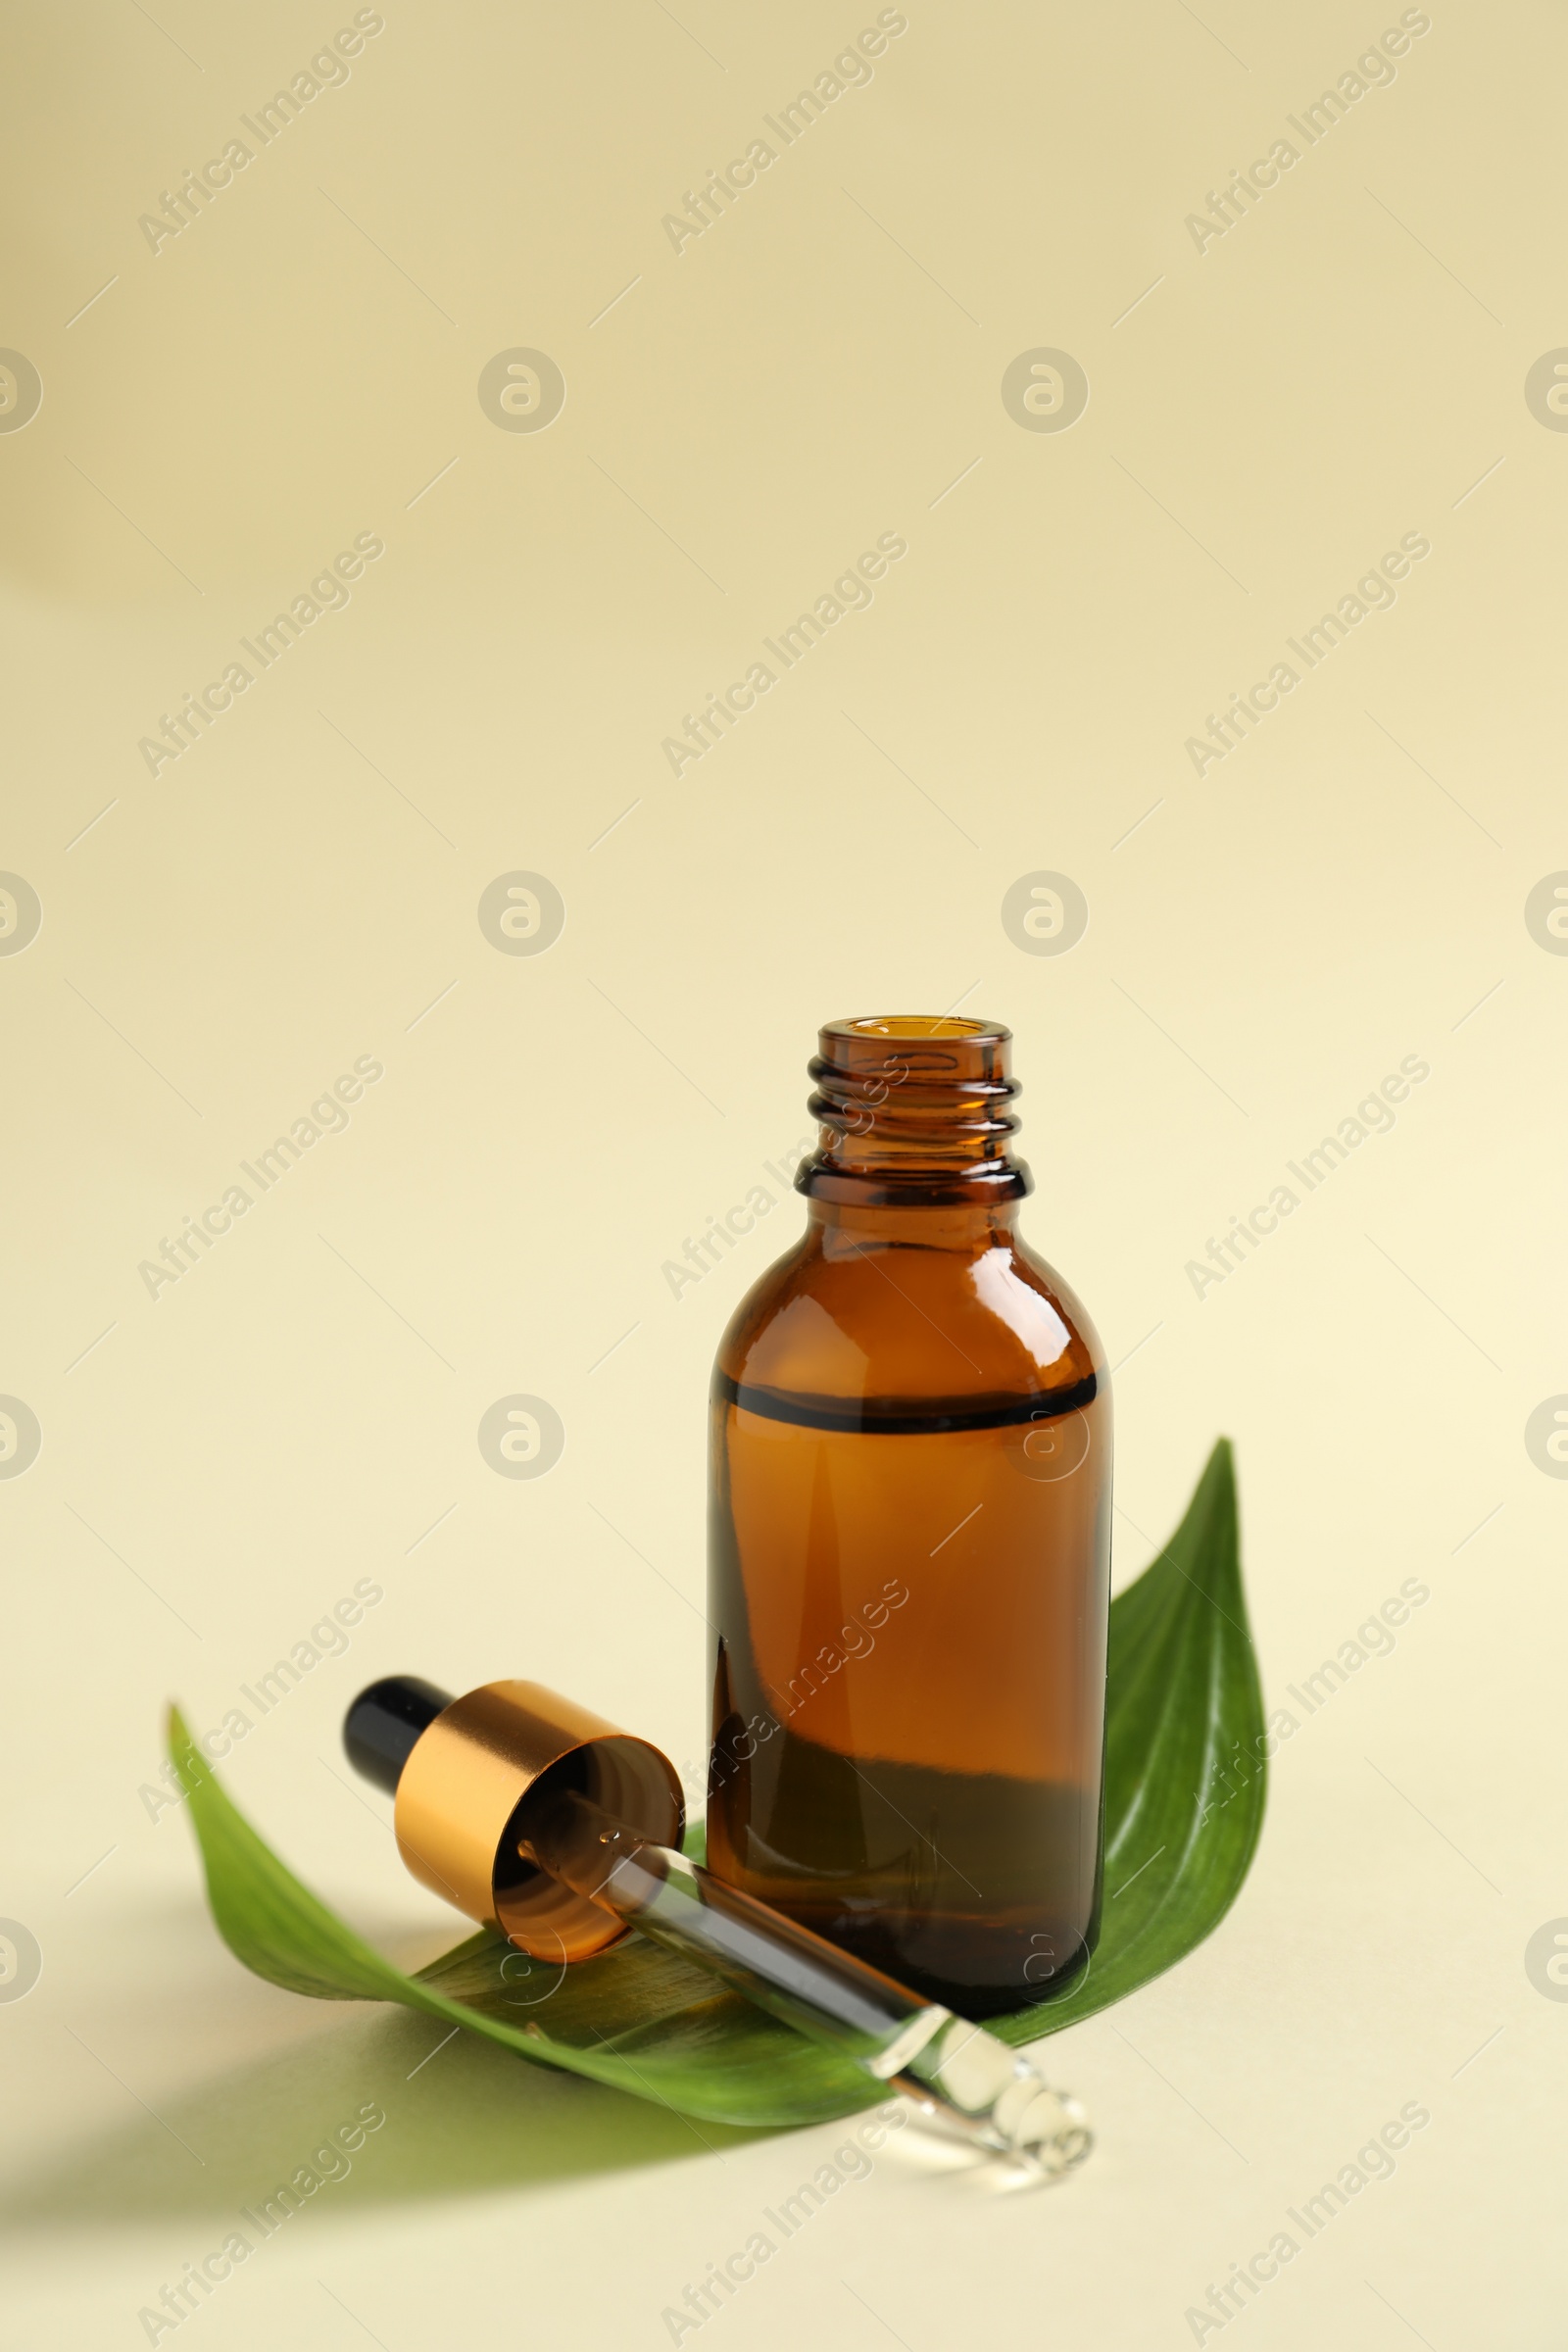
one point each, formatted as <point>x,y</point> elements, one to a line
<point>1217,1486</point>
<point>190,1763</point>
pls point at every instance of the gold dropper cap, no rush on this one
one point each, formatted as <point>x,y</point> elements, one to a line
<point>466,1782</point>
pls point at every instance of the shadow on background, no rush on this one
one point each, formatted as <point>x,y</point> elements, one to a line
<point>459,2118</point>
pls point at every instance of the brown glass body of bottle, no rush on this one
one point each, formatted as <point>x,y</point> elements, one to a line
<point>910,1537</point>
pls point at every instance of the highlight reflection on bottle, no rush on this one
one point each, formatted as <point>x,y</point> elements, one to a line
<point>910,1537</point>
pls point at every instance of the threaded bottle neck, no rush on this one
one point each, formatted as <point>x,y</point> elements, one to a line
<point>914,1111</point>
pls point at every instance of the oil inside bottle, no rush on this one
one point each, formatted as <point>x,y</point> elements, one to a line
<point>909,1716</point>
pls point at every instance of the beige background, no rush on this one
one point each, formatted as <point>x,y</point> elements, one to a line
<point>1345,366</point>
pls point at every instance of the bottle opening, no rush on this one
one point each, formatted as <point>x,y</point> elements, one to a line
<point>914,1025</point>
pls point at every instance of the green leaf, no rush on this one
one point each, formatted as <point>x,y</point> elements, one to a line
<point>1184,1806</point>
<point>1185,1773</point>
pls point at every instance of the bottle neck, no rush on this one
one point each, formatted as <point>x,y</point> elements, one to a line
<point>913,1115</point>
<point>847,1229</point>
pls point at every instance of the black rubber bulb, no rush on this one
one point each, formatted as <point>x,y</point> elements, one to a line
<point>383,1724</point>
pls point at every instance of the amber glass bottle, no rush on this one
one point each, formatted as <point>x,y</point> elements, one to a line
<point>909,1540</point>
